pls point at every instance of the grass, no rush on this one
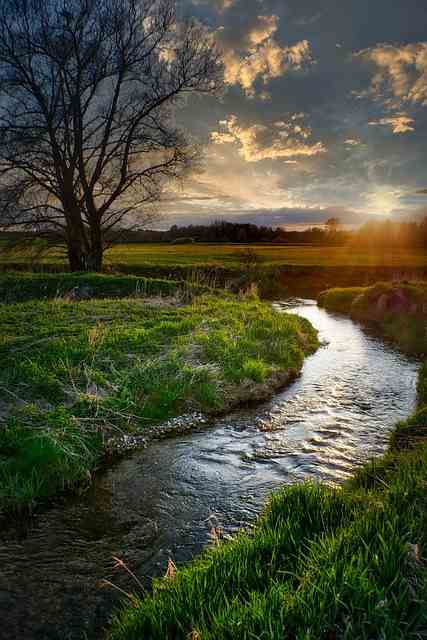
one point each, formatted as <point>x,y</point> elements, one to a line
<point>398,310</point>
<point>20,287</point>
<point>74,373</point>
<point>230,255</point>
<point>321,563</point>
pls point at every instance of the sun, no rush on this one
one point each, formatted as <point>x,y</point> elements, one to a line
<point>384,199</point>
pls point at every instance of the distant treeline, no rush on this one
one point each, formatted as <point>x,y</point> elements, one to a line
<point>233,232</point>
<point>380,233</point>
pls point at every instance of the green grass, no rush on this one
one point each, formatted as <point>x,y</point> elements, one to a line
<point>398,310</point>
<point>321,563</point>
<point>75,373</point>
<point>229,255</point>
<point>41,453</point>
<point>19,287</point>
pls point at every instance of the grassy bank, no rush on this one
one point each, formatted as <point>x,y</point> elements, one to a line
<point>321,562</point>
<point>20,287</point>
<point>47,280</point>
<point>397,310</point>
<point>76,373</point>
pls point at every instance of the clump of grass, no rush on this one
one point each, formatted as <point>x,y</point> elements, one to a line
<point>255,370</point>
<point>108,365</point>
<point>340,299</point>
<point>44,452</point>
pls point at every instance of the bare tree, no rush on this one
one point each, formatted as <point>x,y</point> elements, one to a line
<point>88,90</point>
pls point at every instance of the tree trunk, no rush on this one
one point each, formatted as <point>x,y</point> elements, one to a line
<point>84,253</point>
<point>84,260</point>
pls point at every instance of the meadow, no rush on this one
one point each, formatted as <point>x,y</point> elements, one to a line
<point>268,254</point>
<point>234,255</point>
<point>76,373</point>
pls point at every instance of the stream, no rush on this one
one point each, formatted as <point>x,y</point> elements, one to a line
<point>162,502</point>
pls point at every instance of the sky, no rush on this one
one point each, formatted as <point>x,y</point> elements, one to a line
<point>324,113</point>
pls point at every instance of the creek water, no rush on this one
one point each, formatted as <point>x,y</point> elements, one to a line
<point>162,502</point>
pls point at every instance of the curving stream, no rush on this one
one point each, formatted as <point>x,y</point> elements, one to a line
<point>162,502</point>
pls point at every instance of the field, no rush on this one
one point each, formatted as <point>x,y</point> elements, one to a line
<point>229,255</point>
<point>77,372</point>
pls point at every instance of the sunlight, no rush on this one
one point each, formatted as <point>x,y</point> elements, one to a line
<point>383,199</point>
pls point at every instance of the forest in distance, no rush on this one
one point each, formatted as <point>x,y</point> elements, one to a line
<point>376,234</point>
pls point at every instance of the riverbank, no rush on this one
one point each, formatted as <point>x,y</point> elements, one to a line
<point>78,374</point>
<point>321,562</point>
<point>397,310</point>
<point>274,281</point>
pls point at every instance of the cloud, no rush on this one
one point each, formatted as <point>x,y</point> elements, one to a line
<point>399,123</point>
<point>219,5</point>
<point>401,73</point>
<point>266,26</point>
<point>253,53</point>
<point>284,139</point>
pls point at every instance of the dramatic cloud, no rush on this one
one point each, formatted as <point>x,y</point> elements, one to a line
<point>256,54</point>
<point>305,57</point>
<point>399,123</point>
<point>401,73</point>
<point>285,139</point>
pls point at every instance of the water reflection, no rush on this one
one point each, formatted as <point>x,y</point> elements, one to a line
<point>161,502</point>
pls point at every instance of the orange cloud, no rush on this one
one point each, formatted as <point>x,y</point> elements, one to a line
<point>262,56</point>
<point>399,123</point>
<point>401,73</point>
<point>260,142</point>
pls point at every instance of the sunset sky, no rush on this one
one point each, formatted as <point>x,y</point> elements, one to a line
<point>325,112</point>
